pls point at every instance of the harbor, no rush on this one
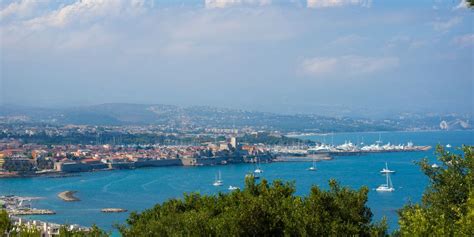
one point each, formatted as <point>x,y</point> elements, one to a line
<point>18,206</point>
<point>346,149</point>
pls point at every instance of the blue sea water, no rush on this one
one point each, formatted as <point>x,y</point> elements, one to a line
<point>142,188</point>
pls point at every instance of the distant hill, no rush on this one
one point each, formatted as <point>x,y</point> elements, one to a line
<point>204,116</point>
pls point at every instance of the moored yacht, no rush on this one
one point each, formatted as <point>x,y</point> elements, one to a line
<point>218,181</point>
<point>313,167</point>
<point>387,187</point>
<point>386,170</point>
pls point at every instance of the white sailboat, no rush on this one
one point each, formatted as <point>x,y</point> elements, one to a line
<point>313,167</point>
<point>386,170</point>
<point>218,181</point>
<point>258,170</point>
<point>387,187</point>
<point>448,146</point>
<point>434,165</point>
<point>379,142</point>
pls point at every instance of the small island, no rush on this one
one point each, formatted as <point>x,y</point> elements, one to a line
<point>68,196</point>
<point>113,210</point>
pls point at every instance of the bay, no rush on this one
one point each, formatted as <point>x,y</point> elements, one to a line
<point>136,190</point>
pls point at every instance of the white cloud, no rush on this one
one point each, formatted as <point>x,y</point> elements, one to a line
<point>348,65</point>
<point>337,3</point>
<point>119,27</point>
<point>86,11</point>
<point>464,40</point>
<point>445,26</point>
<point>233,3</point>
<point>21,9</point>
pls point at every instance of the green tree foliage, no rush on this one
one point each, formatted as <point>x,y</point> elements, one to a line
<point>5,223</point>
<point>8,229</point>
<point>447,207</point>
<point>261,209</point>
<point>93,232</point>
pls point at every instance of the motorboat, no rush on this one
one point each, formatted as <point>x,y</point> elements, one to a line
<point>386,170</point>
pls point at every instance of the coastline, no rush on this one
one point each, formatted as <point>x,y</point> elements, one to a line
<point>68,196</point>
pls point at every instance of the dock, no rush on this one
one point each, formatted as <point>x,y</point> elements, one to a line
<point>30,211</point>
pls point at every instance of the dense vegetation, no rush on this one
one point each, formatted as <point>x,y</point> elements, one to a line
<point>260,209</point>
<point>447,207</point>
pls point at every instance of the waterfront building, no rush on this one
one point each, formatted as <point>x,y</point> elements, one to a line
<point>233,142</point>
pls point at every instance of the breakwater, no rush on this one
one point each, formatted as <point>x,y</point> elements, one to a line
<point>68,196</point>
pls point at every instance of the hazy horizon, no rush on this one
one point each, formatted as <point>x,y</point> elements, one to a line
<point>260,55</point>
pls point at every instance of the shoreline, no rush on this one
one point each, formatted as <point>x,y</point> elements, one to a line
<point>68,196</point>
<point>322,156</point>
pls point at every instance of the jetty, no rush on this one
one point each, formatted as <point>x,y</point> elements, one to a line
<point>113,210</point>
<point>30,211</point>
<point>68,196</point>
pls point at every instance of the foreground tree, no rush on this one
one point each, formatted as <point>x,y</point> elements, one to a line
<point>5,223</point>
<point>447,207</point>
<point>260,210</point>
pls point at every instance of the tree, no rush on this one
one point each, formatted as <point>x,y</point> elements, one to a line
<point>5,223</point>
<point>447,207</point>
<point>260,209</point>
<point>93,232</point>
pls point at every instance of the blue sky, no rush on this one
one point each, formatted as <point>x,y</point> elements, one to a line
<point>281,56</point>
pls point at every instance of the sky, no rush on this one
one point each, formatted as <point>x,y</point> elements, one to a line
<point>286,56</point>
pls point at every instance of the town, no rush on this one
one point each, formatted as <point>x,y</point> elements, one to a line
<point>20,159</point>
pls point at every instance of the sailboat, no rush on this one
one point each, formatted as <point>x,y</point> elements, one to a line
<point>218,181</point>
<point>387,187</point>
<point>258,170</point>
<point>448,146</point>
<point>386,170</point>
<point>380,139</point>
<point>313,167</point>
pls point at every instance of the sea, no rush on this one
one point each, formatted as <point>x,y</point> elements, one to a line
<point>139,189</point>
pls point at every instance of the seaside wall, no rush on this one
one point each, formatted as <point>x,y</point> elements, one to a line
<point>158,163</point>
<point>193,161</point>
